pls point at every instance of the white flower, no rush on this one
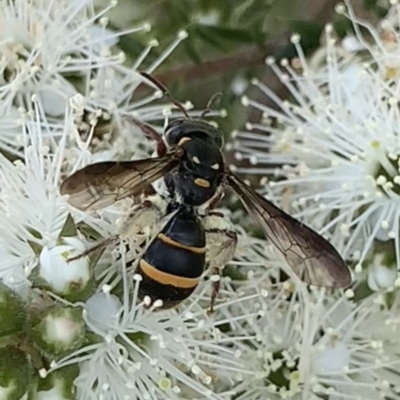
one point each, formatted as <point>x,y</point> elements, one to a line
<point>303,344</point>
<point>336,141</point>
<point>41,42</point>
<point>382,274</point>
<point>382,42</point>
<point>352,348</point>
<point>30,206</point>
<point>61,275</point>
<point>33,212</point>
<point>44,45</point>
<point>117,348</point>
<point>139,353</point>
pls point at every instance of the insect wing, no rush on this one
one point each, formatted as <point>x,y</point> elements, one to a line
<point>99,185</point>
<point>313,259</point>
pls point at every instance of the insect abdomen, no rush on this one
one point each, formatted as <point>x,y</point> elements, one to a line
<point>173,263</point>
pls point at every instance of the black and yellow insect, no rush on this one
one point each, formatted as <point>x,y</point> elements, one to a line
<point>191,163</point>
<point>173,263</point>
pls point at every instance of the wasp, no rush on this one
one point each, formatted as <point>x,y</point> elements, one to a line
<point>191,163</point>
<point>176,258</point>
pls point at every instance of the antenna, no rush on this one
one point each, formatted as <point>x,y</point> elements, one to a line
<point>209,104</point>
<point>166,93</point>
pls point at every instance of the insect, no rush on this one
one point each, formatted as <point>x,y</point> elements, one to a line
<point>191,163</point>
<point>173,263</point>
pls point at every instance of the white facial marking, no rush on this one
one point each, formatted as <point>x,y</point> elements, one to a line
<point>196,160</point>
<point>215,166</point>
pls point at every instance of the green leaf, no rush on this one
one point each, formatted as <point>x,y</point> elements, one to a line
<point>92,234</point>
<point>370,4</point>
<point>342,26</point>
<point>191,51</point>
<point>36,247</point>
<point>61,379</point>
<point>131,46</point>
<point>89,232</point>
<point>208,38</point>
<point>69,228</point>
<point>379,9</point>
<point>95,256</point>
<point>179,12</point>
<point>15,373</point>
<point>234,35</point>
<point>310,33</point>
<point>362,291</point>
<point>35,233</point>
<point>234,273</point>
<point>390,297</point>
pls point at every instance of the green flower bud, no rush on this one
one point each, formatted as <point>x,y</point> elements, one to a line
<point>59,331</point>
<point>15,373</point>
<point>13,315</point>
<point>59,384</point>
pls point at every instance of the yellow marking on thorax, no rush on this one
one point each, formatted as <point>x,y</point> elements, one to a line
<point>184,140</point>
<point>165,239</point>
<point>167,279</point>
<point>202,183</point>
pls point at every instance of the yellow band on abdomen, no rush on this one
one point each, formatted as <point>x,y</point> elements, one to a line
<point>167,279</point>
<point>167,240</point>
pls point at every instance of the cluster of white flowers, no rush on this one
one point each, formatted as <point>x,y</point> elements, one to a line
<point>77,330</point>
<point>337,143</point>
<point>330,155</point>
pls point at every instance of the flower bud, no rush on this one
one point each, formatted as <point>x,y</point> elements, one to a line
<point>381,276</point>
<point>15,373</point>
<point>332,358</point>
<point>59,331</point>
<point>13,315</point>
<point>59,384</point>
<point>73,280</point>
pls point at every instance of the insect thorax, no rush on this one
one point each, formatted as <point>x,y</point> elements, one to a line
<point>192,128</point>
<point>199,173</point>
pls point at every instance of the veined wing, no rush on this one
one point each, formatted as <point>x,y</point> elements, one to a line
<point>313,259</point>
<point>99,185</point>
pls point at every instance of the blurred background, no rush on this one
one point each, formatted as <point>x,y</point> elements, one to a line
<point>228,42</point>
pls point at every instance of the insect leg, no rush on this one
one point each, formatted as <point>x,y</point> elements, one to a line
<point>151,133</point>
<point>216,285</point>
<point>104,243</point>
<point>144,219</point>
<point>221,239</point>
<point>218,196</point>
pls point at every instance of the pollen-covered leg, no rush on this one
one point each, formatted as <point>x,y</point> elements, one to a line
<point>141,223</point>
<point>144,220</point>
<point>221,239</point>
